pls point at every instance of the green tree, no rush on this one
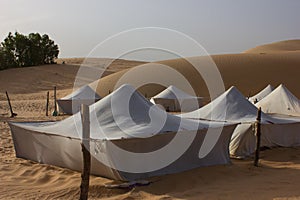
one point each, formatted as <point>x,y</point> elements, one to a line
<point>7,59</point>
<point>19,50</point>
<point>7,49</point>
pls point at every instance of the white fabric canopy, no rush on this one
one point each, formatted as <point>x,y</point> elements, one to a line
<point>173,92</point>
<point>280,101</point>
<point>122,114</point>
<point>263,93</point>
<point>243,140</point>
<point>230,106</point>
<point>126,118</point>
<point>174,99</point>
<point>84,92</point>
<point>234,107</point>
<point>71,103</point>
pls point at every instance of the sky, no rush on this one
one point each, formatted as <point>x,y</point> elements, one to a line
<point>219,26</point>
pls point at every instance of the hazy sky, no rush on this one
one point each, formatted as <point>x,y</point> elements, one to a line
<point>220,26</point>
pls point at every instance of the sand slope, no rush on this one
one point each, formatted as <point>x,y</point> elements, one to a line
<point>37,78</point>
<point>277,47</point>
<point>114,65</point>
<point>248,72</point>
<point>45,77</point>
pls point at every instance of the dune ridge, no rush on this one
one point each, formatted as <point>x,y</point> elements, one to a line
<point>277,47</point>
<point>248,72</point>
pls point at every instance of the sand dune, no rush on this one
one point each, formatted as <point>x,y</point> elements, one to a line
<point>37,78</point>
<point>115,65</point>
<point>248,72</point>
<point>42,78</point>
<point>276,178</point>
<point>277,47</point>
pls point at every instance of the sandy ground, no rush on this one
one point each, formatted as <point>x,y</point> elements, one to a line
<point>278,176</point>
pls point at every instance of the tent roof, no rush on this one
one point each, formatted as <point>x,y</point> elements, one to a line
<point>173,92</point>
<point>280,101</point>
<point>114,111</point>
<point>85,92</point>
<point>263,93</point>
<point>229,106</point>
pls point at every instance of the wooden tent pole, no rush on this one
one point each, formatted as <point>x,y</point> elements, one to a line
<point>12,114</point>
<point>258,136</point>
<point>55,106</point>
<point>47,103</point>
<point>85,145</point>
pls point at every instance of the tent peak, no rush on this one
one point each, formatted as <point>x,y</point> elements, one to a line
<point>125,86</point>
<point>280,101</point>
<point>262,94</point>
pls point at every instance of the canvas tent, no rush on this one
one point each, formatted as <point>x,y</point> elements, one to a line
<point>280,101</point>
<point>230,106</point>
<point>234,107</point>
<point>71,103</point>
<point>243,140</point>
<point>58,143</point>
<point>263,93</point>
<point>176,100</point>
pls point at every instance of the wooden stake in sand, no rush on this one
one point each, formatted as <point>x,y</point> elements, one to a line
<point>47,103</point>
<point>12,114</point>
<point>55,106</point>
<point>258,135</point>
<point>85,145</point>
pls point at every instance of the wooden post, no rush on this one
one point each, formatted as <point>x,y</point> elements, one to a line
<point>85,145</point>
<point>12,114</point>
<point>47,103</point>
<point>55,106</point>
<point>258,136</point>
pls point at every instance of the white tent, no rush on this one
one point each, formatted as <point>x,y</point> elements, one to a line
<point>174,99</point>
<point>234,107</point>
<point>143,127</point>
<point>71,103</point>
<point>280,101</point>
<point>230,106</point>
<point>263,93</point>
<point>243,140</point>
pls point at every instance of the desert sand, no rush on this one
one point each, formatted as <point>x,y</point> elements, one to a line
<point>249,72</point>
<point>277,47</point>
<point>278,176</point>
